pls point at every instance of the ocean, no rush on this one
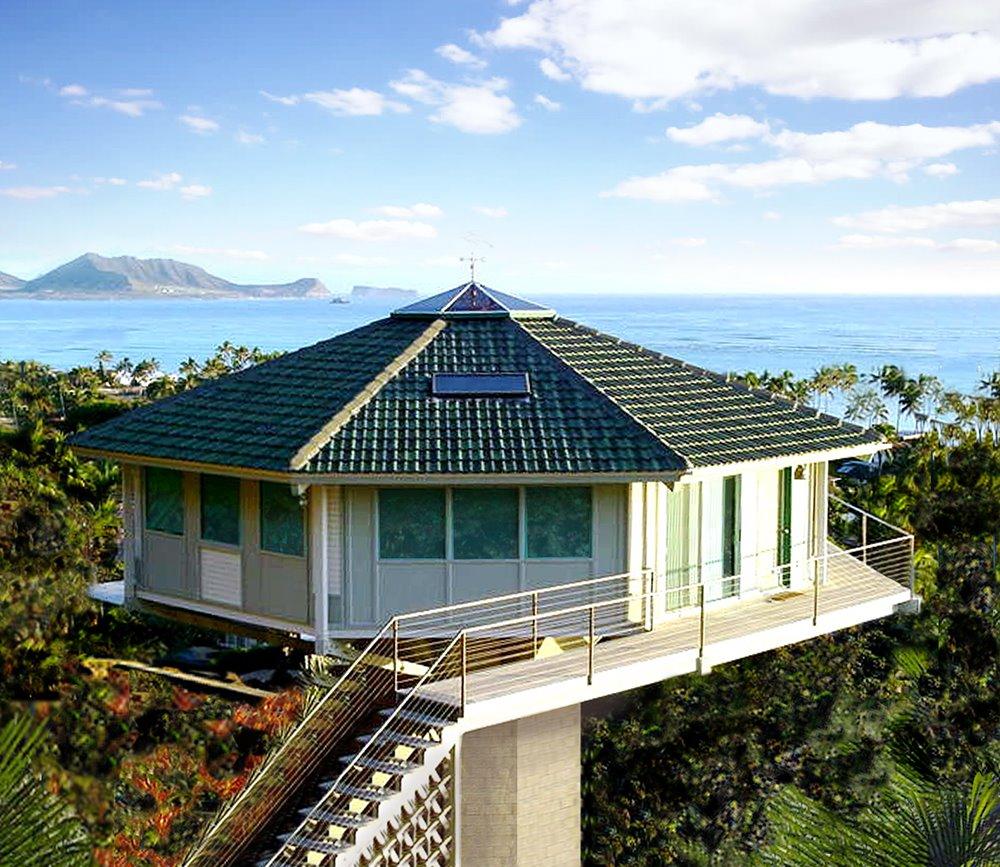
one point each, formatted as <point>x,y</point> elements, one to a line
<point>956,338</point>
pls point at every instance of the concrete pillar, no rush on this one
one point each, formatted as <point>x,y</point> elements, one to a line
<point>520,792</point>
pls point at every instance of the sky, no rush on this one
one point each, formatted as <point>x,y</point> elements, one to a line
<point>575,145</point>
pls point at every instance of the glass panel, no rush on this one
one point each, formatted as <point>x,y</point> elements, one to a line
<point>559,521</point>
<point>481,384</point>
<point>164,500</point>
<point>411,523</point>
<point>220,509</point>
<point>282,527</point>
<point>485,523</point>
<point>730,533</point>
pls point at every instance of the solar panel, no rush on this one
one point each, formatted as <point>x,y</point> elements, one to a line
<point>481,385</point>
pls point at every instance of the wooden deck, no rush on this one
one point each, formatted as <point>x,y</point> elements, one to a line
<point>852,593</point>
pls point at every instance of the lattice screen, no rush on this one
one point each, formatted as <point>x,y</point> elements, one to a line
<point>423,833</point>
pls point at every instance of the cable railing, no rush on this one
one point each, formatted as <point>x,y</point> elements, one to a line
<point>427,665</point>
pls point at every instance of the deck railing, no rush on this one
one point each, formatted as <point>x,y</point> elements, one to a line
<point>427,660</point>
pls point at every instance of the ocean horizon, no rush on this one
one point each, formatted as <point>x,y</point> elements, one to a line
<point>954,337</point>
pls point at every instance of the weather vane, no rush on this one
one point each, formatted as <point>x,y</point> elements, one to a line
<point>472,259</point>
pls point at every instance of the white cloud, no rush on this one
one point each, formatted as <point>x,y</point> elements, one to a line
<point>354,102</point>
<point>941,170</point>
<point>865,150</point>
<point>973,245</point>
<point>281,100</point>
<point>551,69</point>
<point>546,103</point>
<point>653,52</point>
<point>371,230</point>
<point>719,128</point>
<point>166,181</point>
<point>892,242</point>
<point>689,242</point>
<point>882,242</point>
<point>975,214</point>
<point>481,108</point>
<point>200,125</point>
<point>111,182</point>
<point>195,191</point>
<point>248,138</point>
<point>771,215</point>
<point>493,213</point>
<point>6,167</point>
<point>457,54</point>
<point>223,252</point>
<point>130,101</point>
<point>403,212</point>
<point>31,193</point>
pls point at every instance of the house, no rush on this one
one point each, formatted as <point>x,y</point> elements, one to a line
<point>474,468</point>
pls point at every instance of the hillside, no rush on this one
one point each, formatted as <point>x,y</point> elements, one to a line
<point>95,276</point>
<point>9,281</point>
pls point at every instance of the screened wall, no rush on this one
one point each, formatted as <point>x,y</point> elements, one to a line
<point>224,541</point>
<point>410,548</point>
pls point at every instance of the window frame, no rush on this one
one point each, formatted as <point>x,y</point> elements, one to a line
<point>145,503</point>
<point>260,524</point>
<point>202,538</point>
<point>522,528</point>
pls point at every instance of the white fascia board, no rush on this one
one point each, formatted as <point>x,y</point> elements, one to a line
<point>823,456</point>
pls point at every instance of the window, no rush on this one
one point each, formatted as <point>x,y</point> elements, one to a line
<point>485,523</point>
<point>411,524</point>
<point>480,385</point>
<point>559,521</point>
<point>282,529</point>
<point>220,509</point>
<point>164,501</point>
<point>730,527</point>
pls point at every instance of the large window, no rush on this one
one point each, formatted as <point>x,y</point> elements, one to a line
<point>559,522</point>
<point>282,529</point>
<point>164,501</point>
<point>485,522</point>
<point>220,509</point>
<point>411,523</point>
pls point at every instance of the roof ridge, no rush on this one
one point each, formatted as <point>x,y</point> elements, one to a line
<point>801,409</point>
<point>357,403</point>
<point>565,364</point>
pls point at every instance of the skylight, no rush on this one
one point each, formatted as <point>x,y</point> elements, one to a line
<point>480,385</point>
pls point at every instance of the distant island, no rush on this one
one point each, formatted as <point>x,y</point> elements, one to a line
<point>382,293</point>
<point>92,276</point>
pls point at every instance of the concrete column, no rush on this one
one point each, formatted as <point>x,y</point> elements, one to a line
<point>520,792</point>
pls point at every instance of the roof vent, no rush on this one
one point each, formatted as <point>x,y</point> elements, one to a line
<point>480,385</point>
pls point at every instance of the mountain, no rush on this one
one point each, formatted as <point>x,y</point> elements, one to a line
<point>94,276</point>
<point>381,293</point>
<point>9,281</point>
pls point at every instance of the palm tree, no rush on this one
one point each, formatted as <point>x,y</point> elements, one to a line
<point>103,358</point>
<point>917,824</point>
<point>865,405</point>
<point>36,829</point>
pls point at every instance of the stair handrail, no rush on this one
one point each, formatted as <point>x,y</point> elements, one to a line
<point>390,720</point>
<point>261,773</point>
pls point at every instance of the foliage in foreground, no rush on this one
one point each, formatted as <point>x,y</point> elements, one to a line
<point>36,828</point>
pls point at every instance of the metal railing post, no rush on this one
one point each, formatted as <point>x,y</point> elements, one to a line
<point>395,658</point>
<point>590,648</point>
<point>815,597</point>
<point>534,624</point>
<point>465,667</point>
<point>701,621</point>
<point>864,537</point>
<point>913,566</point>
